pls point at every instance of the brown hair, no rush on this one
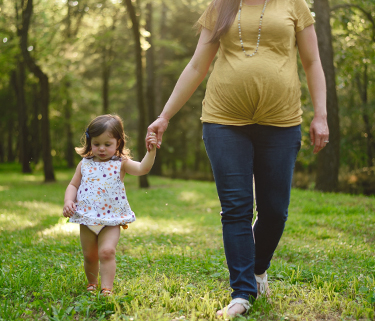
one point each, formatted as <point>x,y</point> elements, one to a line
<point>226,11</point>
<point>98,126</point>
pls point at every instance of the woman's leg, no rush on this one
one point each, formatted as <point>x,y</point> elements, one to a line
<point>107,242</point>
<point>275,152</point>
<point>89,243</point>
<point>230,151</point>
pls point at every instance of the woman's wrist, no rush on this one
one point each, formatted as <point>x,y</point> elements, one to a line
<point>320,115</point>
<point>164,117</point>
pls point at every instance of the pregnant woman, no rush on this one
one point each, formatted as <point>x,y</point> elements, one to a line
<point>251,124</point>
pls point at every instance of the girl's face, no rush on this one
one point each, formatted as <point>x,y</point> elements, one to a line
<point>103,147</point>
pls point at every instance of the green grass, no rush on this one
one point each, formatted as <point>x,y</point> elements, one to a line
<point>170,262</point>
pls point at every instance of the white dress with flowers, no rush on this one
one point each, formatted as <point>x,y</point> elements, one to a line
<point>101,197</point>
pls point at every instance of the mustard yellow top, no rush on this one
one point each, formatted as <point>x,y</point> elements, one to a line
<point>263,89</point>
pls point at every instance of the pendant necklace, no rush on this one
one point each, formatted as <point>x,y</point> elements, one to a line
<point>259,30</point>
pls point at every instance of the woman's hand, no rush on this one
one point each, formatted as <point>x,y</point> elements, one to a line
<point>159,126</point>
<point>319,133</point>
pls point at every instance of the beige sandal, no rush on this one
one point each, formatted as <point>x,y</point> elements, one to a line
<point>225,311</point>
<point>106,292</point>
<point>91,287</point>
<point>262,286</point>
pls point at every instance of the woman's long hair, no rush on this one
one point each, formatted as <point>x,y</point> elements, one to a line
<point>226,11</point>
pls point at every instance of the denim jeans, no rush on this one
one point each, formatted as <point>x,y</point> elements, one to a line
<point>237,153</point>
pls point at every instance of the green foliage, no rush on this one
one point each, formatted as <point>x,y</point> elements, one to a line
<point>170,262</point>
<point>75,41</point>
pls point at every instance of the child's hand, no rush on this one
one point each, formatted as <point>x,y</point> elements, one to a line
<point>69,209</point>
<point>151,140</point>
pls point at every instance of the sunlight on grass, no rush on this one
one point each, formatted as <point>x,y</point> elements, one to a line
<point>189,196</point>
<point>19,214</point>
<point>31,178</point>
<point>61,228</point>
<point>147,226</point>
<point>171,263</point>
<point>12,221</point>
<point>40,207</point>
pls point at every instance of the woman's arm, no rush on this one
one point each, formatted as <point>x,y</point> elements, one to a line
<point>309,54</point>
<point>71,193</point>
<point>190,78</point>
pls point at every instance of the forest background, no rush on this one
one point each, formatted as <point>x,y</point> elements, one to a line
<point>64,62</point>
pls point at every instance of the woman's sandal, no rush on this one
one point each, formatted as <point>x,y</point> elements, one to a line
<point>226,313</point>
<point>262,285</point>
<point>106,292</point>
<point>91,287</point>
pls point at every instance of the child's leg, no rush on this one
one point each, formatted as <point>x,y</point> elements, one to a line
<point>89,243</point>
<point>107,242</point>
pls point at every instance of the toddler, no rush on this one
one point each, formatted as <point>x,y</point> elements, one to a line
<point>96,198</point>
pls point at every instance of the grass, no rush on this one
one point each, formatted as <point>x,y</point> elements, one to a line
<point>170,262</point>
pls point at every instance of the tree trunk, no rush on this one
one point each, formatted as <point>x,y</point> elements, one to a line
<point>36,141</point>
<point>10,153</point>
<point>106,73</point>
<point>150,66</point>
<point>362,88</point>
<point>159,103</point>
<point>23,136</point>
<point>328,159</point>
<point>49,175</point>
<point>143,181</point>
<point>150,88</point>
<point>68,111</point>
<point>68,106</point>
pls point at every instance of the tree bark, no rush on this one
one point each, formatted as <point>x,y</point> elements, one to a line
<point>68,105</point>
<point>328,159</point>
<point>106,72</point>
<point>143,181</point>
<point>362,89</point>
<point>19,88</point>
<point>35,127</point>
<point>157,168</point>
<point>150,87</point>
<point>10,153</point>
<point>49,175</point>
<point>68,111</point>
<point>150,66</point>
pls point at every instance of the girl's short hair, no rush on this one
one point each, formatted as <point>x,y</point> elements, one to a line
<point>112,124</point>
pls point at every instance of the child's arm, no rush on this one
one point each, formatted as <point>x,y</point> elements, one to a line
<point>141,168</point>
<point>71,193</point>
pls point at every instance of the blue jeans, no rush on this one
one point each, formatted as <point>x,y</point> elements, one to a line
<point>236,154</point>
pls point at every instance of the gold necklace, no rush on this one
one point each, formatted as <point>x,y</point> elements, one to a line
<point>260,29</point>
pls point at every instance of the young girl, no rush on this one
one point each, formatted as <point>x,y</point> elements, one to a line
<point>96,199</point>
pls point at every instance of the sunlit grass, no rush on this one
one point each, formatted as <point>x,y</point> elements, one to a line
<point>170,261</point>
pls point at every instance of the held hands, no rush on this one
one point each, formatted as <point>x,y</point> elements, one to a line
<point>151,141</point>
<point>319,133</point>
<point>69,208</point>
<point>158,127</point>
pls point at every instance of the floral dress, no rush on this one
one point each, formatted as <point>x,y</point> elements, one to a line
<point>101,197</point>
